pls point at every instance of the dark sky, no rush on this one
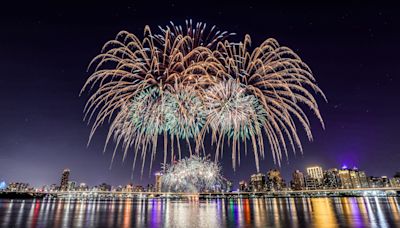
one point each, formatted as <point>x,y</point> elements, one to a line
<point>353,50</point>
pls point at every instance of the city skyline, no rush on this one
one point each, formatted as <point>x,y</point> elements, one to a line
<point>42,131</point>
<point>297,181</point>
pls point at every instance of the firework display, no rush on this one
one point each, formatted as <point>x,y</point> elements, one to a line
<point>183,83</point>
<point>194,174</point>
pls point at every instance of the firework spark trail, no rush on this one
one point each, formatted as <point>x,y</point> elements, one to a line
<point>183,83</point>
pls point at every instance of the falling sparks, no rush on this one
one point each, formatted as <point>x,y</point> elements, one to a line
<point>182,83</point>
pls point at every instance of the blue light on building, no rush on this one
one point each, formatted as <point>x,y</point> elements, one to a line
<point>3,185</point>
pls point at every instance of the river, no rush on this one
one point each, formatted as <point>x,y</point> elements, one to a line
<point>270,212</point>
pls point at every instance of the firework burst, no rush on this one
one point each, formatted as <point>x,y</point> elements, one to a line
<point>194,174</point>
<point>139,81</point>
<point>184,82</point>
<point>262,96</point>
<point>235,115</point>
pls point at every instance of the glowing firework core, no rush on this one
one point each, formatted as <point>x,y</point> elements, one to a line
<point>194,174</point>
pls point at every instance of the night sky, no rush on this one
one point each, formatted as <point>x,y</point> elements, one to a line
<point>353,50</point>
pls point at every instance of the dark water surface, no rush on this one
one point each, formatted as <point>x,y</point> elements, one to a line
<point>282,212</point>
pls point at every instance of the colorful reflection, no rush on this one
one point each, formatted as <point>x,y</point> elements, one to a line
<point>257,212</point>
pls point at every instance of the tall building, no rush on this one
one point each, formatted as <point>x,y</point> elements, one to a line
<point>257,182</point>
<point>298,180</point>
<point>17,187</point>
<point>353,178</point>
<point>331,179</point>
<point>150,188</point>
<point>158,184</point>
<point>104,187</point>
<point>275,181</point>
<point>128,188</point>
<point>363,179</point>
<point>64,180</point>
<point>395,182</point>
<point>385,181</point>
<point>243,187</point>
<point>71,186</point>
<point>138,188</point>
<point>311,183</point>
<point>345,179</point>
<point>315,172</point>
<point>83,187</point>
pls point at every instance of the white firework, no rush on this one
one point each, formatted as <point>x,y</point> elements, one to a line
<point>194,174</point>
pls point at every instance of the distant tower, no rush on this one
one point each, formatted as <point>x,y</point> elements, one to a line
<point>64,180</point>
<point>158,184</point>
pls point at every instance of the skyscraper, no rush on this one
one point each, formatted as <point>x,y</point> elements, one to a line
<point>257,182</point>
<point>64,180</point>
<point>315,172</point>
<point>355,179</point>
<point>71,186</point>
<point>243,187</point>
<point>345,179</point>
<point>311,183</point>
<point>298,180</point>
<point>274,180</point>
<point>363,179</point>
<point>331,179</point>
<point>158,184</point>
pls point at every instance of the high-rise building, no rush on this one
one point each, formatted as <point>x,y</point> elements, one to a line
<point>363,179</point>
<point>298,180</point>
<point>331,179</point>
<point>138,188</point>
<point>257,182</point>
<point>243,187</point>
<point>375,182</point>
<point>315,172</point>
<point>228,186</point>
<point>158,184</point>
<point>395,182</point>
<point>104,187</point>
<point>64,180</point>
<point>71,185</point>
<point>355,179</point>
<point>83,187</point>
<point>345,179</point>
<point>385,181</point>
<point>150,188</point>
<point>17,187</point>
<point>275,181</point>
<point>311,183</point>
<point>53,187</point>
<point>128,188</point>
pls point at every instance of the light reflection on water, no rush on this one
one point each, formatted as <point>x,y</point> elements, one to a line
<point>274,212</point>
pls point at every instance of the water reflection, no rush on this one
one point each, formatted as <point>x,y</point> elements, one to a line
<point>274,212</point>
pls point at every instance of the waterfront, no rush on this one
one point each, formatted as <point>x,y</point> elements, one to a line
<point>270,212</point>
